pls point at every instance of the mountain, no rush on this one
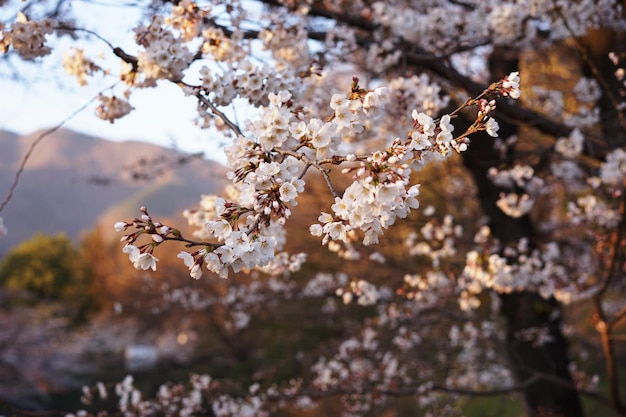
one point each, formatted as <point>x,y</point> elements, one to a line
<point>73,182</point>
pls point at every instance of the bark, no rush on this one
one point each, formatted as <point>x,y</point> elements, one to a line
<point>554,393</point>
<point>595,49</point>
<point>524,310</point>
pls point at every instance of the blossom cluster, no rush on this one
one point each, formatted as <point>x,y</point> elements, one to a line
<point>246,80</point>
<point>365,293</point>
<point>416,92</point>
<point>241,300</point>
<point>170,399</point>
<point>222,47</point>
<point>141,256</point>
<point>382,192</point>
<point>27,37</point>
<point>186,18</point>
<point>359,360</point>
<point>211,226</point>
<point>571,146</point>
<point>434,25</point>
<point>239,249</point>
<point>369,207</point>
<point>79,66</point>
<point>587,90</point>
<point>288,44</point>
<point>537,336</point>
<point>553,102</point>
<point>246,230</point>
<point>478,357</point>
<point>437,240</point>
<point>590,210</point>
<point>613,169</point>
<point>323,283</point>
<point>520,177</point>
<point>427,288</point>
<point>165,56</point>
<point>227,406</point>
<point>520,268</point>
<point>382,56</point>
<point>112,107</point>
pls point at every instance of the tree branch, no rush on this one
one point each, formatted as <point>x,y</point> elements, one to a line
<point>231,125</point>
<point>317,165</point>
<point>32,147</point>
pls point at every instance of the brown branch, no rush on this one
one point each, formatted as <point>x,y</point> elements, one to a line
<point>119,52</point>
<point>192,243</point>
<point>616,240</point>
<point>514,113</point>
<point>608,349</point>
<point>488,393</point>
<point>602,324</point>
<point>233,126</point>
<point>355,21</point>
<point>409,392</point>
<point>315,164</point>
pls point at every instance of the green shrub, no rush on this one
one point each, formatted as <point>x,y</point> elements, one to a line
<point>47,268</point>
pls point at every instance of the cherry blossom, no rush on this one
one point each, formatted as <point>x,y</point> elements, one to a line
<point>27,37</point>
<point>374,101</point>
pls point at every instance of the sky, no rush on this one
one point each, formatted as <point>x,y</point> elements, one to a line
<point>43,96</point>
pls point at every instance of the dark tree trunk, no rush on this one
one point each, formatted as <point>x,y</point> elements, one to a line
<point>553,393</point>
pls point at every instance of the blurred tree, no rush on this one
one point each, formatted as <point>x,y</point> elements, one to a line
<point>48,268</point>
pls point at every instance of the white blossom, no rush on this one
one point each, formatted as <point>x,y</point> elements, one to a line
<point>613,170</point>
<point>511,85</point>
<point>492,127</point>
<point>571,146</point>
<point>515,205</point>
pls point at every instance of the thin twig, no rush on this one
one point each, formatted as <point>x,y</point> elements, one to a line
<point>220,114</point>
<point>603,324</point>
<point>304,171</point>
<point>315,164</point>
<point>329,183</point>
<point>32,147</point>
<point>192,243</point>
<point>91,32</point>
<point>408,392</point>
<point>614,253</point>
<point>119,52</point>
<point>608,348</point>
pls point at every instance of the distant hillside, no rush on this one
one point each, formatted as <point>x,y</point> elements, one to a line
<point>73,181</point>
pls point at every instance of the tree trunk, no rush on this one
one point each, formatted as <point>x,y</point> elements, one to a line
<point>553,394</point>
